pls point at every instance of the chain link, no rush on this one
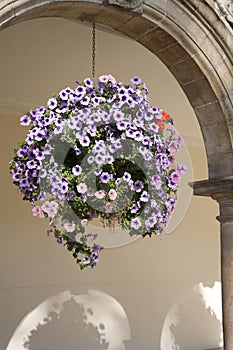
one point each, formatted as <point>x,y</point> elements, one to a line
<point>93,52</point>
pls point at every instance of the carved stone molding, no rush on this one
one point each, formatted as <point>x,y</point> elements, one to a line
<point>134,5</point>
<point>226,9</point>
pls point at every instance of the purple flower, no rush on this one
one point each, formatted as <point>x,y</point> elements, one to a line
<point>126,176</point>
<point>86,260</point>
<point>136,81</point>
<point>170,202</point>
<point>105,177</point>
<point>144,197</point>
<point>164,161</point>
<point>77,150</point>
<point>182,169</point>
<point>136,223</point>
<point>47,149</point>
<point>134,209</point>
<point>147,210</point>
<point>156,182</point>
<point>88,82</point>
<point>95,256</point>
<point>157,111</point>
<point>42,196</point>
<point>153,203</point>
<point>16,177</point>
<point>32,164</point>
<point>54,179</point>
<point>150,222</point>
<point>98,171</point>
<point>146,141</point>
<point>58,129</point>
<point>130,133</point>
<point>118,116</point>
<point>80,90</point>
<point>153,128</point>
<point>39,154</point>
<point>90,159</point>
<point>118,181</point>
<point>21,153</point>
<point>25,120</point>
<point>64,95</point>
<point>24,182</point>
<point>85,101</point>
<point>138,136</point>
<point>123,98</point>
<point>52,103</point>
<point>138,186</point>
<point>122,125</point>
<point>109,159</point>
<point>85,141</point>
<point>64,185</point>
<point>99,159</point>
<point>76,170</point>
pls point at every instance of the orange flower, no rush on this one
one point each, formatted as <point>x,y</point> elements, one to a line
<point>166,116</point>
<point>160,124</point>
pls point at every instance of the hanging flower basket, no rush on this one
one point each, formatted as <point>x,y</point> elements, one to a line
<point>99,152</point>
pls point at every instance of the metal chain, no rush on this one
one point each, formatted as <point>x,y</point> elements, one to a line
<point>93,52</point>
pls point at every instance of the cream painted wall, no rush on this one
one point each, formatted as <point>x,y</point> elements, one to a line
<point>146,290</point>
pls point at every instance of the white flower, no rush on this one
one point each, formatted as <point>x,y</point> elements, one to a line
<point>82,187</point>
<point>100,194</point>
<point>84,222</point>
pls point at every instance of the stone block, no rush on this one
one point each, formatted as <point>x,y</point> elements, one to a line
<point>136,27</point>
<point>216,139</point>
<point>199,92</point>
<point>209,114</point>
<point>220,165</point>
<point>185,71</point>
<point>157,40</point>
<point>173,55</point>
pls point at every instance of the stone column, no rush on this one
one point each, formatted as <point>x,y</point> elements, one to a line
<point>222,192</point>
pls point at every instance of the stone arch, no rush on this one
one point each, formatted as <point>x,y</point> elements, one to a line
<point>189,37</point>
<point>194,40</point>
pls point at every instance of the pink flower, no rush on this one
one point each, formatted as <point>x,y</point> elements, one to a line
<point>173,146</point>
<point>111,79</point>
<point>104,78</point>
<point>100,194</point>
<point>69,227</point>
<point>37,211</point>
<point>179,140</point>
<point>81,188</point>
<point>175,177</point>
<point>50,208</point>
<point>112,194</point>
<point>108,207</point>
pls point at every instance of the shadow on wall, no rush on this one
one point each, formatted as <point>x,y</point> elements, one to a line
<point>92,321</point>
<point>203,327</point>
<point>72,323</point>
<point>96,321</point>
